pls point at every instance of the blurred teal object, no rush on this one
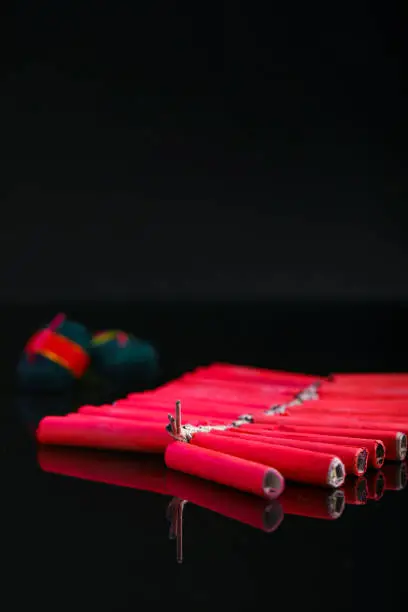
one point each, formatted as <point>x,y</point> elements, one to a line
<point>42,375</point>
<point>32,407</point>
<point>42,370</point>
<point>118,354</point>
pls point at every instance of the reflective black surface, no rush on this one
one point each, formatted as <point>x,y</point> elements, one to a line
<point>70,540</point>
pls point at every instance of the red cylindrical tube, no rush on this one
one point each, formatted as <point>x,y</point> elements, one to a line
<point>103,432</point>
<point>369,408</point>
<point>228,502</point>
<point>155,416</point>
<point>362,391</point>
<point>363,394</point>
<point>147,474</point>
<point>354,458</point>
<point>376,448</point>
<point>192,406</point>
<point>371,378</point>
<point>355,491</point>
<point>228,371</point>
<point>375,485</point>
<point>395,476</point>
<point>395,441</point>
<point>221,395</point>
<point>293,463</point>
<point>313,502</point>
<point>380,384</point>
<point>224,469</point>
<point>241,386</point>
<point>328,421</point>
<point>366,420</point>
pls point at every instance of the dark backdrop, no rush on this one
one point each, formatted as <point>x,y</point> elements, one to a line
<point>183,150</point>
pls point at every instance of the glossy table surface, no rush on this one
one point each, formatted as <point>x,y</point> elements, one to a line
<point>98,531</point>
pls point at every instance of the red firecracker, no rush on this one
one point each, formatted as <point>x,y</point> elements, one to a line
<point>103,432</point>
<point>293,463</point>
<point>235,472</point>
<point>355,458</point>
<point>376,448</point>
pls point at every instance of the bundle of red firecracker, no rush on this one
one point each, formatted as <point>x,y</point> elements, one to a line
<point>250,429</point>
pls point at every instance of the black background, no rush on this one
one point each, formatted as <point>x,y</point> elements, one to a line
<point>202,150</point>
<point>246,156</point>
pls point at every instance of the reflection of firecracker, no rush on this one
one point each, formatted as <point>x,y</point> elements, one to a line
<point>395,475</point>
<point>375,485</point>
<point>355,491</point>
<point>313,502</point>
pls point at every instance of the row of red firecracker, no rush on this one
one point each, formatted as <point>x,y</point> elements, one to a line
<point>252,429</point>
